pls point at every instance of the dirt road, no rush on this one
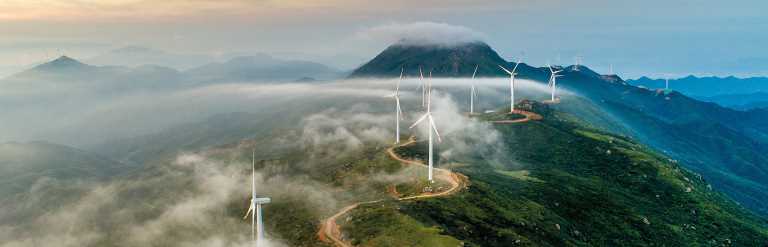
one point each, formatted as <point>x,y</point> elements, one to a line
<point>331,232</point>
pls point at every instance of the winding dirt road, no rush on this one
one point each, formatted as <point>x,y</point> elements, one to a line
<point>331,232</point>
<point>528,117</point>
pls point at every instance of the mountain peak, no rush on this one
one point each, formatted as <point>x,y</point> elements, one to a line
<point>63,62</point>
<point>457,60</point>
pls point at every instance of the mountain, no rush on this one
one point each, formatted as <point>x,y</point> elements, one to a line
<point>65,73</point>
<point>51,77</point>
<point>723,144</point>
<point>743,101</point>
<point>134,56</point>
<point>260,67</point>
<point>63,63</point>
<point>24,164</point>
<point>443,61</point>
<point>708,86</point>
<point>702,135</point>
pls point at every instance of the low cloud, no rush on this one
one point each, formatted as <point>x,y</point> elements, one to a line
<point>421,33</point>
<point>185,204</point>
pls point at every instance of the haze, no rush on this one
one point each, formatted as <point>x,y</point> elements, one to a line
<point>686,37</point>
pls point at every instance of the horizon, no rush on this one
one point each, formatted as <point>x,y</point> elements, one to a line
<point>682,38</point>
<point>655,78</point>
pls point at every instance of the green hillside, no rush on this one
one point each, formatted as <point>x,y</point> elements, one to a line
<point>567,185</point>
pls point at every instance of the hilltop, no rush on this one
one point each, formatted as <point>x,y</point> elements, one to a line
<point>442,60</point>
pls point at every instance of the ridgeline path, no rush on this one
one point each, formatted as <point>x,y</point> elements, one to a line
<point>331,232</point>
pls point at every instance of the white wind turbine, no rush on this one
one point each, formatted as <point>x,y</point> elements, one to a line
<point>257,224</point>
<point>472,93</point>
<point>423,87</point>
<point>553,80</point>
<point>430,128</point>
<point>512,75</point>
<point>578,63</point>
<point>398,111</point>
<point>666,84</point>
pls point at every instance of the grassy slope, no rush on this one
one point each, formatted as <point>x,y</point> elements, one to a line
<point>582,188</point>
<point>381,224</point>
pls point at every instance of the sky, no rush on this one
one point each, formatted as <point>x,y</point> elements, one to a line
<point>653,37</point>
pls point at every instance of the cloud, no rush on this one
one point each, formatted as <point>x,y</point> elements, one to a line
<point>183,203</point>
<point>421,33</point>
<point>190,201</point>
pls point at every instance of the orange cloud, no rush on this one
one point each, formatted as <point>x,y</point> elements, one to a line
<point>23,10</point>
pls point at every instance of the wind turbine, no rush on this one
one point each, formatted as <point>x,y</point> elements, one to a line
<point>430,127</point>
<point>512,75</point>
<point>398,111</point>
<point>578,62</point>
<point>472,93</point>
<point>257,225</point>
<point>666,84</point>
<point>423,88</point>
<point>553,80</point>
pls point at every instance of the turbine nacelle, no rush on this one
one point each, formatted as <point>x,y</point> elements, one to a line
<point>431,122</point>
<point>261,200</point>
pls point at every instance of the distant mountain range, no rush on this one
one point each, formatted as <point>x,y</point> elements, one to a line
<point>260,67</point>
<point>134,56</point>
<point>744,102</point>
<point>707,86</point>
<point>737,93</point>
<point>118,78</point>
<point>103,79</point>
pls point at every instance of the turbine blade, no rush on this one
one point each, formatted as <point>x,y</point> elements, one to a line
<point>250,209</point>
<point>516,64</point>
<point>434,127</point>
<point>419,121</point>
<point>505,70</point>
<point>475,73</point>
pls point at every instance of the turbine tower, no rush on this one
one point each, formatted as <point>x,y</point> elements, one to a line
<point>553,80</point>
<point>430,128</point>
<point>512,75</point>
<point>423,88</point>
<point>257,224</point>
<point>472,93</point>
<point>666,84</point>
<point>578,62</point>
<point>398,111</point>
